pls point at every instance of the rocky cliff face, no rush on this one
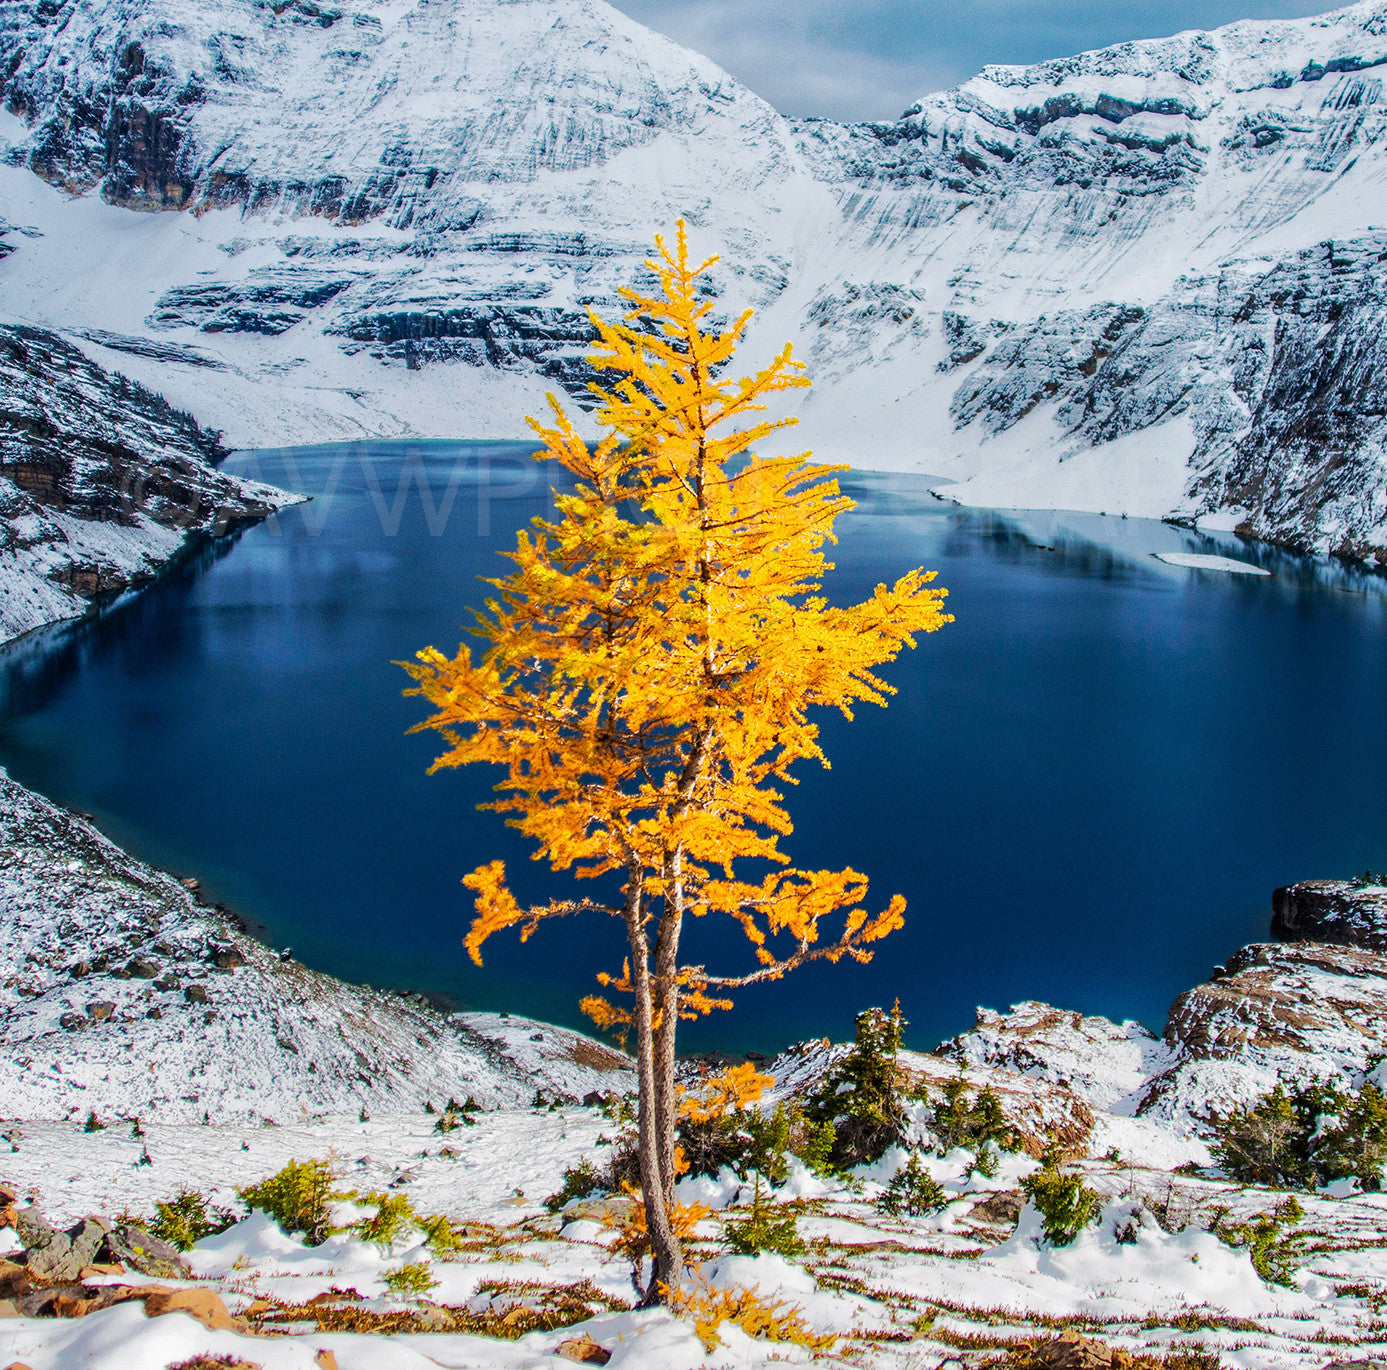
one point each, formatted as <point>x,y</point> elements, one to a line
<point>1343,912</point>
<point>101,481</point>
<point>1143,280</point>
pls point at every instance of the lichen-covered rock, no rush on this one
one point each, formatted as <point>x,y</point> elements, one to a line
<point>60,1257</point>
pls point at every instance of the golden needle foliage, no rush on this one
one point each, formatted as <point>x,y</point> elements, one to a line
<point>653,658</point>
<point>650,668</point>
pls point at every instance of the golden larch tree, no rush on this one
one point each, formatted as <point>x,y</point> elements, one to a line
<point>649,669</point>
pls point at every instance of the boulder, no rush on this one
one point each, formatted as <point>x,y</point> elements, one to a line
<point>999,1209</point>
<point>72,1022</point>
<point>583,1350</point>
<point>1336,911</point>
<point>99,1010</point>
<point>141,968</point>
<point>15,1280</point>
<point>201,1304</point>
<point>60,1257</point>
<point>195,994</point>
<point>133,1248</point>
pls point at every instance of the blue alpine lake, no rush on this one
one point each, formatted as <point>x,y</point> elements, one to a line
<point>1086,788</point>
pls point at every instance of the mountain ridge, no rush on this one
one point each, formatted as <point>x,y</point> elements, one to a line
<point>389,218</point>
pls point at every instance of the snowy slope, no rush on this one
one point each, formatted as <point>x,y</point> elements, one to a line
<point>1141,280</point>
<point>120,993</point>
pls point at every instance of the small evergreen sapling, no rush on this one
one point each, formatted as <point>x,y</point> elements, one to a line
<point>410,1281</point>
<point>913,1191</point>
<point>863,1097</point>
<point>760,1232</point>
<point>185,1220</point>
<point>579,1182</point>
<point>973,1121</point>
<point>1066,1205</point>
<point>298,1198</point>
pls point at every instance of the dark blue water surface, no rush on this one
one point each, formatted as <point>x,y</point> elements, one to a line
<point>1086,788</point>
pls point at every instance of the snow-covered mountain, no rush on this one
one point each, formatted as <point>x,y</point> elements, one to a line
<point>1143,280</point>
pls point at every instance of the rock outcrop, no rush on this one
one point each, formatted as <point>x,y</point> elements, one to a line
<point>1343,912</point>
<point>101,482</point>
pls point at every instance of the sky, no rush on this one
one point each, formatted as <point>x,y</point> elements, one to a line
<point>870,59</point>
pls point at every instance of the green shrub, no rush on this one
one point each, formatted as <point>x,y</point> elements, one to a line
<point>814,1146</point>
<point>93,1123</point>
<point>394,1216</point>
<point>1350,1139</point>
<point>961,1120</point>
<point>912,1191</point>
<point>579,1182</point>
<point>185,1220</point>
<point>456,1115</point>
<point>1065,1203</point>
<point>298,1198</point>
<point>863,1097</point>
<point>410,1281</point>
<point>1271,1247</point>
<point>1268,1142</point>
<point>987,1162</point>
<point>752,1141</point>
<point>439,1236</point>
<point>760,1232</point>
<point>1370,877</point>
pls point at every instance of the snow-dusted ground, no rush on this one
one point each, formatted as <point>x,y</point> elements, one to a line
<point>284,1064</point>
<point>120,993</point>
<point>899,1292</point>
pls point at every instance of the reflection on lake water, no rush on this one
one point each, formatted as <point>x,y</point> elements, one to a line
<point>1086,788</point>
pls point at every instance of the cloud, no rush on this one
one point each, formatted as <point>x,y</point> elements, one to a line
<point>869,59</point>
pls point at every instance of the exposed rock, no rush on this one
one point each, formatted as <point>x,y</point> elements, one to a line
<point>60,1257</point>
<point>1104,1063</point>
<point>201,1304</point>
<point>15,1280</point>
<point>99,1010</point>
<point>1001,1208</point>
<point>1337,911</point>
<point>1297,1011</point>
<point>1070,1351</point>
<point>101,481</point>
<point>584,1350</point>
<point>134,1248</point>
